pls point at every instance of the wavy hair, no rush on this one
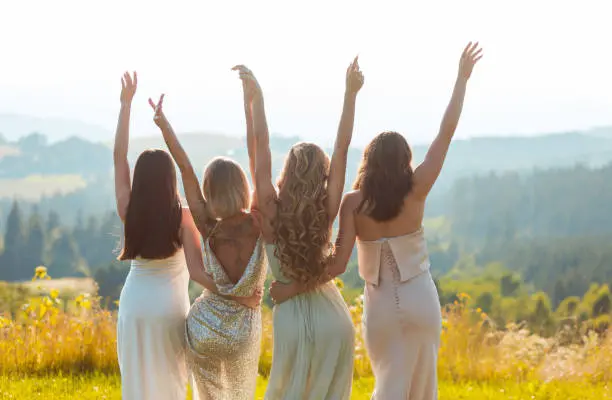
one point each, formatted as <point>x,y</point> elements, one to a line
<point>302,229</point>
<point>385,176</point>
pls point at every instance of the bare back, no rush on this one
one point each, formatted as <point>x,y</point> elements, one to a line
<point>409,220</point>
<point>233,242</point>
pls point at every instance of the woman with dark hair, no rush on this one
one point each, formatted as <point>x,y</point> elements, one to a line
<point>223,332</point>
<point>313,333</point>
<point>402,318</point>
<point>163,244</point>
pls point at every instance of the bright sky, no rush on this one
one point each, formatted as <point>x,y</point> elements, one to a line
<point>547,64</point>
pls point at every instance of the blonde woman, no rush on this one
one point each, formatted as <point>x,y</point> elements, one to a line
<point>313,332</point>
<point>402,319</point>
<point>224,324</point>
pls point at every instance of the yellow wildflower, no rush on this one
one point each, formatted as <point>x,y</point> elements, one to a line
<point>54,293</point>
<point>47,302</point>
<point>40,272</point>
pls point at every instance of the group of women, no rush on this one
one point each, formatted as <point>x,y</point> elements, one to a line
<point>163,342</point>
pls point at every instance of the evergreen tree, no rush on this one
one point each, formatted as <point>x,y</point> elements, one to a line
<point>35,245</point>
<point>64,258</point>
<point>11,262</point>
<point>53,221</point>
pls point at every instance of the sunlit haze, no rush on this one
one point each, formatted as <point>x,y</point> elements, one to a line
<point>547,65</point>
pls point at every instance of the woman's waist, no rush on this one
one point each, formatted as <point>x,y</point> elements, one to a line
<point>210,299</point>
<point>222,316</point>
<point>322,294</point>
<point>388,269</point>
<point>154,270</point>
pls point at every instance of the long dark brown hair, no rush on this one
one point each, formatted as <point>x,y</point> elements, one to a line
<point>154,213</point>
<point>385,176</point>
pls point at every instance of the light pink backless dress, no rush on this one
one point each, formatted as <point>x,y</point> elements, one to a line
<point>402,318</point>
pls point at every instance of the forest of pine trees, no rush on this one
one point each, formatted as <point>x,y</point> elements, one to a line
<point>33,239</point>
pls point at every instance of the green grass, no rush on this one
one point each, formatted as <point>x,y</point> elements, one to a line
<point>109,388</point>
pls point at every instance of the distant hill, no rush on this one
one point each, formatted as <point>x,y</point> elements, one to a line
<point>15,126</point>
<point>35,154</point>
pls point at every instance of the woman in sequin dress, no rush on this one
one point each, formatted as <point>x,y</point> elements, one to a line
<point>223,330</point>
<point>402,319</point>
<point>313,332</point>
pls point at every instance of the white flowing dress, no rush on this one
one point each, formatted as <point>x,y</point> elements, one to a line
<point>402,319</point>
<point>153,307</point>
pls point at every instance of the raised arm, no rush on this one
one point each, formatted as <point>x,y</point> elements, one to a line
<point>345,241</point>
<point>262,163</point>
<point>427,173</point>
<point>337,170</point>
<point>195,198</point>
<point>248,116</point>
<point>193,253</point>
<point>120,151</point>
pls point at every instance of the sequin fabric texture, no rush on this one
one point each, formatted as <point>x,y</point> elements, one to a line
<point>224,337</point>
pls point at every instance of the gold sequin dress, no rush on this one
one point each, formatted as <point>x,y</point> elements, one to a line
<point>224,337</point>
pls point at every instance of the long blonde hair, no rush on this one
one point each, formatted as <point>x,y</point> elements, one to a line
<point>302,228</point>
<point>225,188</point>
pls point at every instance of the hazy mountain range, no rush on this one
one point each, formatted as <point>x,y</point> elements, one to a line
<point>14,126</point>
<point>64,147</point>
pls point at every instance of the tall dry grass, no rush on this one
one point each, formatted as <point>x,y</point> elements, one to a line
<point>49,336</point>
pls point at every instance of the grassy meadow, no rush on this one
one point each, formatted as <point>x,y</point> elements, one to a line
<point>61,348</point>
<point>33,187</point>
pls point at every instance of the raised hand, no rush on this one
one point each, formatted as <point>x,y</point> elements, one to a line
<point>470,56</point>
<point>249,82</point>
<point>159,118</point>
<point>354,77</point>
<point>128,87</point>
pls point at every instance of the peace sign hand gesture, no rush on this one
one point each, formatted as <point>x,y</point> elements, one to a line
<point>470,56</point>
<point>159,118</point>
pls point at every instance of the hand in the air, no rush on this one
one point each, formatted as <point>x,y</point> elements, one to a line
<point>470,56</point>
<point>159,118</point>
<point>249,83</point>
<point>128,88</point>
<point>354,77</point>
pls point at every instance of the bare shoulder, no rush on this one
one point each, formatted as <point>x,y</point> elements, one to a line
<point>351,201</point>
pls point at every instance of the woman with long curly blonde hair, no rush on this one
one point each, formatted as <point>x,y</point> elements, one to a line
<point>402,321</point>
<point>313,332</point>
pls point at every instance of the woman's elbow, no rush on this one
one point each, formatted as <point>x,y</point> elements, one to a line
<point>337,269</point>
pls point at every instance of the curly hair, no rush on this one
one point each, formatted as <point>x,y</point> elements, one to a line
<point>385,176</point>
<point>302,228</point>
